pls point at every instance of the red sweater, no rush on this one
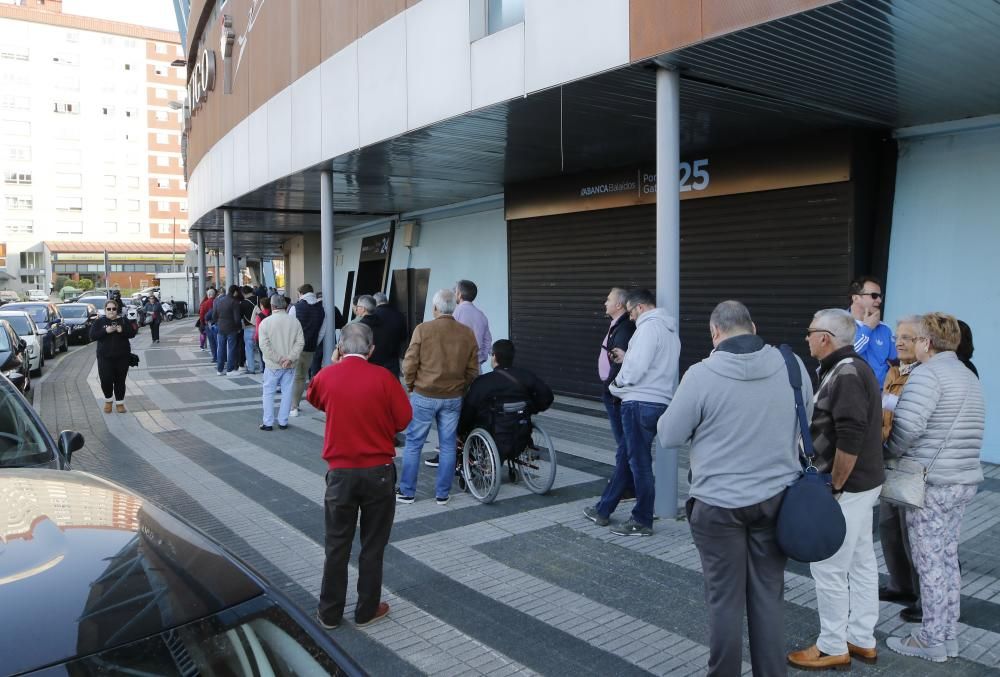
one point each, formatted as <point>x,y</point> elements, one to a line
<point>365,407</point>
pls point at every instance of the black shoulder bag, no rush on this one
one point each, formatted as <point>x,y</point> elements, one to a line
<point>811,525</point>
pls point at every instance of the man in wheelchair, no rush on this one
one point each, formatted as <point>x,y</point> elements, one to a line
<point>491,402</point>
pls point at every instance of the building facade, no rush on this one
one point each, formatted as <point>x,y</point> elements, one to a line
<point>519,144</point>
<point>91,144</point>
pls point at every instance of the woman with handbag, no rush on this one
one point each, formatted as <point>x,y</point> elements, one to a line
<point>938,423</point>
<point>112,333</point>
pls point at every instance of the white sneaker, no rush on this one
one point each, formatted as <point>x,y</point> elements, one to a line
<point>293,412</point>
<point>232,373</point>
<point>221,373</point>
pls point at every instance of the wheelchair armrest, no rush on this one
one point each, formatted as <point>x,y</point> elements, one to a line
<point>513,407</point>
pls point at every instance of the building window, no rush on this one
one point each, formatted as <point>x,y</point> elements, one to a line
<point>184,228</point>
<point>163,205</point>
<point>64,59</point>
<point>162,138</point>
<point>18,201</point>
<point>160,93</point>
<point>162,116</point>
<point>161,48</point>
<point>69,203</point>
<point>163,183</point>
<point>128,66</point>
<point>15,53</point>
<point>18,153</point>
<point>110,180</point>
<point>22,178</point>
<point>162,161</point>
<point>15,128</point>
<point>66,107</point>
<point>110,226</point>
<point>69,155</point>
<point>184,205</point>
<point>133,205</point>
<point>110,203</point>
<point>165,229</point>
<point>69,180</point>
<point>133,182</point>
<point>19,226</point>
<point>107,110</point>
<point>69,227</point>
<point>130,112</point>
<point>159,70</point>
<point>134,227</point>
<point>73,36</point>
<point>11,102</point>
<point>68,133</point>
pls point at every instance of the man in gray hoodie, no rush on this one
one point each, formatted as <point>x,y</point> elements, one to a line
<point>737,410</point>
<point>645,385</point>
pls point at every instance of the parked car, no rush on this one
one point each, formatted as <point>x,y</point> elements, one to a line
<point>96,300</point>
<point>120,586</point>
<point>9,296</point>
<point>15,363</point>
<point>25,442</point>
<point>78,318</point>
<point>50,325</point>
<point>37,295</point>
<point>27,330</point>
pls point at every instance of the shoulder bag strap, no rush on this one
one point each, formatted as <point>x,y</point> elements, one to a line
<point>948,436</point>
<point>795,379</point>
<point>513,378</point>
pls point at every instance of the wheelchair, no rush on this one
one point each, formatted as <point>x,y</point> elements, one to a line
<point>512,439</point>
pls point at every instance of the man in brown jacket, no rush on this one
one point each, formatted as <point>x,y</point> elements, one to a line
<point>439,366</point>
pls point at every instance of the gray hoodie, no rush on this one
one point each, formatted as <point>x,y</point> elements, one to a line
<point>649,371</point>
<point>737,409</point>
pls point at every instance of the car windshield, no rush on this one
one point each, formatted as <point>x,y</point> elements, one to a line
<point>95,300</point>
<point>73,311</point>
<point>254,638</point>
<point>22,443</point>
<point>38,313</point>
<point>19,323</point>
<point>4,341</point>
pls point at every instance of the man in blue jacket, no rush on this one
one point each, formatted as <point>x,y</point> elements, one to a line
<point>873,340</point>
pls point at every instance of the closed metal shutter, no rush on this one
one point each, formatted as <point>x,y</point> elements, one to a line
<point>785,253</point>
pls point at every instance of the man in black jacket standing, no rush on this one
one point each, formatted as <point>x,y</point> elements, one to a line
<point>382,343</point>
<point>393,324</point>
<point>609,363</point>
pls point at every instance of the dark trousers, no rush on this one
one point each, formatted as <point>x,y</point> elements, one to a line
<point>372,491</point>
<point>613,406</point>
<point>112,372</point>
<point>638,428</point>
<point>895,541</point>
<point>317,359</point>
<point>154,330</point>
<point>743,568</point>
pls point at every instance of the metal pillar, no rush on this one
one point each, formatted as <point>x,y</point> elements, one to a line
<point>668,246</point>
<point>202,266</point>
<point>227,239</point>
<point>326,243</point>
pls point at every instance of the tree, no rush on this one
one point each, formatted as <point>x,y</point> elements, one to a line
<point>61,282</point>
<point>85,284</point>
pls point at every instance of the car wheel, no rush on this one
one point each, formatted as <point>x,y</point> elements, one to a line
<point>48,351</point>
<point>65,345</point>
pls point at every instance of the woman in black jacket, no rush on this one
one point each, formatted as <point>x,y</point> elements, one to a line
<point>154,311</point>
<point>112,333</point>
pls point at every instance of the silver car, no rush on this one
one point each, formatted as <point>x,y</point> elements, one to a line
<point>27,330</point>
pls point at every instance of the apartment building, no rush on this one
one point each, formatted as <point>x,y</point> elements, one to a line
<point>90,139</point>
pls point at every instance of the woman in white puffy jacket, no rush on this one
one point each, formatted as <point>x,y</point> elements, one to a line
<point>939,422</point>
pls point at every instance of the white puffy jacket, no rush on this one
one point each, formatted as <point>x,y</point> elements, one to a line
<point>941,393</point>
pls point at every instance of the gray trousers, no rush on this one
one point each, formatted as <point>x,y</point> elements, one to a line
<point>895,540</point>
<point>743,568</point>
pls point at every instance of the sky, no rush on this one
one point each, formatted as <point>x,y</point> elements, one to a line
<point>152,13</point>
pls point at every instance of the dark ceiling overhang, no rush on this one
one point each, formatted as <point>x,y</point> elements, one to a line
<point>876,64</point>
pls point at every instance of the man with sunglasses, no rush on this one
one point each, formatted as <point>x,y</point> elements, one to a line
<point>873,340</point>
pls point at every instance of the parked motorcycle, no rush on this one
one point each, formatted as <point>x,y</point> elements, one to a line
<point>168,311</point>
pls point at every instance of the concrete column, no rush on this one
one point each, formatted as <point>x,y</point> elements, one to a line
<point>218,272</point>
<point>227,239</point>
<point>202,266</point>
<point>668,247</point>
<point>326,245</point>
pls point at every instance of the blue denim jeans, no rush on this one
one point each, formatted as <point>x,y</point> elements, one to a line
<point>225,351</point>
<point>212,334</point>
<point>272,379</point>
<point>250,348</point>
<point>614,410</point>
<point>426,411</point>
<point>639,428</point>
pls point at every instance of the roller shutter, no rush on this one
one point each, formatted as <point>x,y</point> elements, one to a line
<point>785,253</point>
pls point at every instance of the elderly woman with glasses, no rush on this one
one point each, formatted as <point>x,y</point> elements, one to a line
<point>112,333</point>
<point>939,422</point>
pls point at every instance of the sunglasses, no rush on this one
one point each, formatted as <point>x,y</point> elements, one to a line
<point>810,332</point>
<point>110,308</point>
<point>874,294</point>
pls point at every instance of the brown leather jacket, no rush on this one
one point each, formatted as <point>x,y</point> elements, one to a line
<point>894,383</point>
<point>442,360</point>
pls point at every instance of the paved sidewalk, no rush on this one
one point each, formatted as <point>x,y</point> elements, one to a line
<point>523,586</point>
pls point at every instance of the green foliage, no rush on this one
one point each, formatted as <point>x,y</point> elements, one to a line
<point>61,282</point>
<point>85,284</point>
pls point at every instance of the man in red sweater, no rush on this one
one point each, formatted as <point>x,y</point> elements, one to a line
<point>365,407</point>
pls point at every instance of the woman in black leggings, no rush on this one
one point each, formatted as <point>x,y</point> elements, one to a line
<point>112,333</point>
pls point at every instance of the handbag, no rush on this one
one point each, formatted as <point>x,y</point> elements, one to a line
<point>133,360</point>
<point>811,526</point>
<point>906,478</point>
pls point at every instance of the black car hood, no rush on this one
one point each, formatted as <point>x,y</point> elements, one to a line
<point>86,565</point>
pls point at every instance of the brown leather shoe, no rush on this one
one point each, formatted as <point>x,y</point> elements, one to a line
<point>869,656</point>
<point>121,408</point>
<point>814,659</point>
<point>107,407</point>
<point>380,612</point>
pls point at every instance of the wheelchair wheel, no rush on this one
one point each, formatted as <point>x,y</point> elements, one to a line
<point>481,466</point>
<point>537,463</point>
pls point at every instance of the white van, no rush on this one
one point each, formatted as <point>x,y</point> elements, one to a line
<point>37,295</point>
